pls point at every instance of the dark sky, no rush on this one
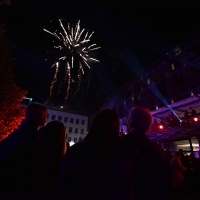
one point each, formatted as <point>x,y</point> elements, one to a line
<point>132,35</point>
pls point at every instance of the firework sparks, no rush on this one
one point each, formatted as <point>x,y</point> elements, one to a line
<point>73,46</point>
<point>54,79</point>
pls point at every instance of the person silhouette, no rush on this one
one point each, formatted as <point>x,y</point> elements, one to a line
<point>86,165</point>
<point>142,164</point>
<point>14,149</point>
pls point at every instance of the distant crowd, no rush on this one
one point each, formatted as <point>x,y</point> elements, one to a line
<point>36,162</point>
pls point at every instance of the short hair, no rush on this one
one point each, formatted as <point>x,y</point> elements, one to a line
<point>105,124</point>
<point>52,144</point>
<point>139,119</point>
<point>35,112</point>
<point>53,136</point>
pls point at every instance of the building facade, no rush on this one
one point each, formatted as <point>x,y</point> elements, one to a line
<point>76,124</point>
<point>170,86</point>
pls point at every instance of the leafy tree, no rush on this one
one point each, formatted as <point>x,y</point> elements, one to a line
<point>11,110</point>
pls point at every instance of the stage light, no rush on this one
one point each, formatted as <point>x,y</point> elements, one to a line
<point>161,127</point>
<point>195,119</point>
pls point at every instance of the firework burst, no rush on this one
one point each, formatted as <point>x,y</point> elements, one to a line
<point>73,47</point>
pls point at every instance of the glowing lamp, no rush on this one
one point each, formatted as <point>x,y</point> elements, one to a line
<point>195,119</point>
<point>161,126</point>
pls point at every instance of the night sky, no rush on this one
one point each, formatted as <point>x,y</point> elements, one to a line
<point>132,36</point>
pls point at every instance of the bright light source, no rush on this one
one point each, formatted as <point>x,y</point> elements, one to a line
<point>61,106</point>
<point>71,143</point>
<point>161,126</point>
<point>195,119</point>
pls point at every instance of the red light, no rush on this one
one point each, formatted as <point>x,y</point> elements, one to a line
<point>195,119</point>
<point>161,126</point>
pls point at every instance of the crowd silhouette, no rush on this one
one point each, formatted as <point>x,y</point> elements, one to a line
<point>36,162</point>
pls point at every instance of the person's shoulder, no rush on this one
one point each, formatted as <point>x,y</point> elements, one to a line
<point>126,138</point>
<point>128,145</point>
<point>75,152</point>
<point>157,146</point>
<point>77,147</point>
<point>9,138</point>
<point>130,140</point>
<point>124,141</point>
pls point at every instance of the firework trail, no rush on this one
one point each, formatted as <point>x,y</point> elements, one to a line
<point>54,80</point>
<point>73,45</point>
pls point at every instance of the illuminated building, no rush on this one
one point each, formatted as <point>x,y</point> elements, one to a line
<point>170,88</point>
<point>76,123</point>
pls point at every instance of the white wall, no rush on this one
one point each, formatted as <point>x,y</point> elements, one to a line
<point>78,119</point>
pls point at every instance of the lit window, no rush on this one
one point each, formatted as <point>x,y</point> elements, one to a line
<point>71,120</point>
<point>82,131</point>
<point>70,129</point>
<point>60,118</point>
<point>77,121</point>
<point>69,139</point>
<point>83,122</point>
<point>148,81</point>
<point>75,140</point>
<point>53,117</point>
<point>76,130</point>
<point>65,119</point>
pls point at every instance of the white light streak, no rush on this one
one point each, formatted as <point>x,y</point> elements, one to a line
<point>91,46</point>
<point>94,49</point>
<point>86,64</point>
<point>94,59</point>
<point>74,47</point>
<point>72,61</point>
<point>90,35</point>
